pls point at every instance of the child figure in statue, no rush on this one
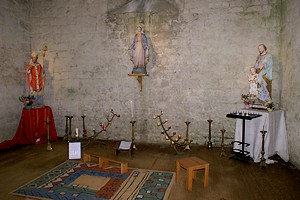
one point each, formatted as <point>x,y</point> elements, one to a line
<point>139,52</point>
<point>252,78</point>
<point>35,80</point>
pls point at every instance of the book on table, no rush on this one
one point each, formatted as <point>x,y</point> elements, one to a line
<point>125,145</point>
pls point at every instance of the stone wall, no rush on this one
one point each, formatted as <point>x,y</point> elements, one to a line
<point>201,51</point>
<point>290,75</point>
<point>14,51</point>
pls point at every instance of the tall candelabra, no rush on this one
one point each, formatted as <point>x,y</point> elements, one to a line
<point>262,159</point>
<point>222,144</point>
<point>49,147</point>
<point>85,138</point>
<point>175,142</point>
<point>209,143</point>
<point>132,134</point>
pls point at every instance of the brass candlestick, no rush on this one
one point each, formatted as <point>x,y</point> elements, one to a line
<point>49,147</point>
<point>187,146</point>
<point>209,143</point>
<point>222,144</point>
<point>262,159</point>
<point>132,134</point>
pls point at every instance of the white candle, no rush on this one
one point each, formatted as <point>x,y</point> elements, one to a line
<point>131,102</point>
<point>76,132</point>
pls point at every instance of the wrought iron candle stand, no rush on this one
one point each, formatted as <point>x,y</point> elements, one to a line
<point>132,134</point>
<point>222,144</point>
<point>209,143</point>
<point>68,129</point>
<point>49,147</point>
<point>83,127</point>
<point>103,126</point>
<point>175,142</point>
<point>262,159</point>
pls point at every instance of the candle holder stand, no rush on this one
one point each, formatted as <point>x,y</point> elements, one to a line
<point>222,144</point>
<point>209,143</point>
<point>83,127</point>
<point>68,129</point>
<point>187,141</point>
<point>49,147</point>
<point>85,139</point>
<point>66,136</point>
<point>262,159</point>
<point>132,135</point>
<point>175,142</point>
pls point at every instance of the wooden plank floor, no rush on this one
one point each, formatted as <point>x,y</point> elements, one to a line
<point>228,179</point>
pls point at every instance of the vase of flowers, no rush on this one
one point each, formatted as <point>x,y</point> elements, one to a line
<point>247,100</point>
<point>27,101</point>
<point>269,105</point>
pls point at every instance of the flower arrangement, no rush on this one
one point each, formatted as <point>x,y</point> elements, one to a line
<point>269,105</point>
<point>247,100</point>
<point>27,100</point>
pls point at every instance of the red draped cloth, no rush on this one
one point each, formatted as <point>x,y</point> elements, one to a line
<point>32,128</point>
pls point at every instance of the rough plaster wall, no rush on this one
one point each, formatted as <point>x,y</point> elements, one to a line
<point>199,63</point>
<point>15,45</point>
<point>290,53</point>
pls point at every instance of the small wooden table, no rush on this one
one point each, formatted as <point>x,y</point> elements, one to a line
<point>192,164</point>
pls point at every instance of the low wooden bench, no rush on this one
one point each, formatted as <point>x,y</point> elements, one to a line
<point>104,162</point>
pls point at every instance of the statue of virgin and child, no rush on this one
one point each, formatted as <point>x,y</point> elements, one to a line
<point>260,78</point>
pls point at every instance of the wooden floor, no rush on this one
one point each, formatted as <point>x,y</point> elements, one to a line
<point>228,179</point>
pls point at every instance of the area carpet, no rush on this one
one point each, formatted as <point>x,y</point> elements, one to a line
<point>78,180</point>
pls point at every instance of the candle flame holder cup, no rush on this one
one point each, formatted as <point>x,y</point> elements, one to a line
<point>175,141</point>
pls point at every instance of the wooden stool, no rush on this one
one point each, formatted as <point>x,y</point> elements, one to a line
<point>104,162</point>
<point>192,164</point>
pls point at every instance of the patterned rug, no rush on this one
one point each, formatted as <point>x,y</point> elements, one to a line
<point>86,181</point>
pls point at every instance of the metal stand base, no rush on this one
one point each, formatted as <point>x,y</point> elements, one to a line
<point>240,157</point>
